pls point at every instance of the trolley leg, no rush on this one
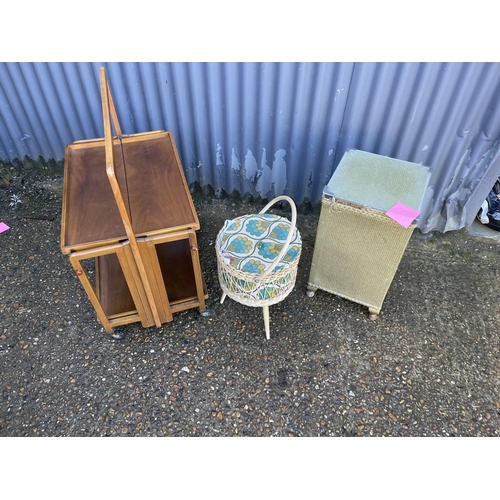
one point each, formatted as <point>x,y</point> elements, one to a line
<point>265,309</point>
<point>117,334</point>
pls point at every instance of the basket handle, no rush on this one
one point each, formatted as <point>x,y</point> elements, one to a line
<point>291,233</point>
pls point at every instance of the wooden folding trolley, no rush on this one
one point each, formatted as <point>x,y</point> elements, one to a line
<point>128,225</point>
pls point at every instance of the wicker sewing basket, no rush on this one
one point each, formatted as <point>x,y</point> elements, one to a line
<point>276,278</point>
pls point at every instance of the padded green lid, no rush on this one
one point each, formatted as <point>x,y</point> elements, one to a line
<point>378,181</point>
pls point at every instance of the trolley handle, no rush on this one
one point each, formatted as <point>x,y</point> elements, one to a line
<point>291,233</point>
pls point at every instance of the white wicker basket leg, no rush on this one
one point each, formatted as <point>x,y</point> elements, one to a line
<point>257,264</point>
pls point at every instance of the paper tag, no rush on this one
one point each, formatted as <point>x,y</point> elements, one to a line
<point>403,214</point>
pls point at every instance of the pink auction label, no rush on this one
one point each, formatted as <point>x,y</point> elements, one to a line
<point>403,214</point>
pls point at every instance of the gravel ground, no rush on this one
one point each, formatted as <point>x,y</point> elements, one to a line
<point>429,366</point>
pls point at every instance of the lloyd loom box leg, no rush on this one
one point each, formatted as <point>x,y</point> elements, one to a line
<point>373,313</point>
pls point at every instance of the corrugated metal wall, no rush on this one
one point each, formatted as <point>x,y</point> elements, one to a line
<point>273,128</point>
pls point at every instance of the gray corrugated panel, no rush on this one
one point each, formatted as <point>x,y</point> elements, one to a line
<point>432,114</point>
<point>273,128</point>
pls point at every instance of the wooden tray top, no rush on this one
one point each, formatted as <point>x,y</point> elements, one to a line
<point>151,180</point>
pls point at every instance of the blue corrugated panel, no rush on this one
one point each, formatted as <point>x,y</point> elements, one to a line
<point>273,128</point>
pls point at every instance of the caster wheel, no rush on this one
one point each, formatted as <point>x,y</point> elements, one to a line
<point>373,313</point>
<point>117,335</point>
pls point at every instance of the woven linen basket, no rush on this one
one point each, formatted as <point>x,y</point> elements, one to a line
<point>257,258</point>
<point>358,246</point>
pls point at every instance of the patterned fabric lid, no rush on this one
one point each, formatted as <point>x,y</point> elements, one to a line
<point>251,243</point>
